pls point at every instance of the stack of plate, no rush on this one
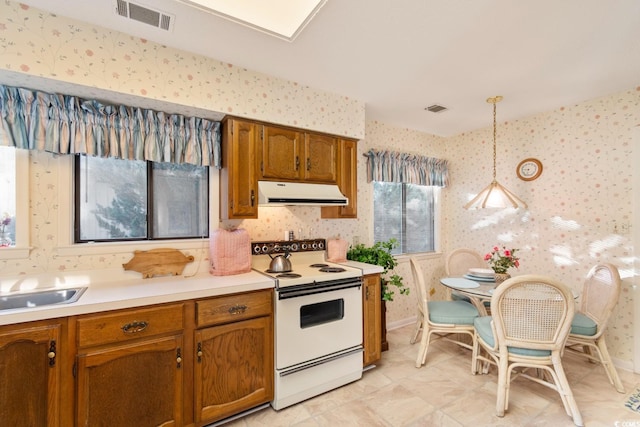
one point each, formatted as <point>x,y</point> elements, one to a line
<point>480,275</point>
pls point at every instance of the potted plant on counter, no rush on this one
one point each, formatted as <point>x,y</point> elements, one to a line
<point>380,254</point>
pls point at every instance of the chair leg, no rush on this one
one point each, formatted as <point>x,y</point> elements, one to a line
<point>565,390</point>
<point>424,346</point>
<point>607,363</point>
<point>416,332</point>
<point>501,399</point>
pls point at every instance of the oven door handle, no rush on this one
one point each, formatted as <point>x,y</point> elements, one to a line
<point>293,370</point>
<point>317,288</point>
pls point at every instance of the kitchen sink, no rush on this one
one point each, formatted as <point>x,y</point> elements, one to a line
<point>40,298</point>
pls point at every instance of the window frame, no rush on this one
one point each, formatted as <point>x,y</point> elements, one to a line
<point>21,249</point>
<point>67,247</point>
<point>437,220</point>
<point>151,212</point>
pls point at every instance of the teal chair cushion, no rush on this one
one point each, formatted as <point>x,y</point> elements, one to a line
<point>452,312</point>
<point>583,325</point>
<point>484,331</point>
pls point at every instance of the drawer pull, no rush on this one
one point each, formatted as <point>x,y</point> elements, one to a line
<point>237,309</point>
<point>134,327</point>
<point>199,353</point>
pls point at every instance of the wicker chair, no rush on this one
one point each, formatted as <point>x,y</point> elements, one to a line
<point>440,318</point>
<point>599,297</point>
<point>530,323</point>
<point>460,260</point>
<point>458,263</point>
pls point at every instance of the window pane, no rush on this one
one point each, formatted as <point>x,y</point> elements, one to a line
<point>180,193</point>
<point>7,196</point>
<point>419,219</point>
<point>405,212</point>
<point>111,199</point>
<point>387,221</point>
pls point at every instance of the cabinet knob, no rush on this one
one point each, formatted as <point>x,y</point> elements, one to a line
<point>308,164</point>
<point>52,353</point>
<point>297,162</point>
<point>253,197</point>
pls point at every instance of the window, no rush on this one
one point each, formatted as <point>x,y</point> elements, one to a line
<point>407,213</point>
<point>7,197</point>
<point>14,203</point>
<point>120,200</point>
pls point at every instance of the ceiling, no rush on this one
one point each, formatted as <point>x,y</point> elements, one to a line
<point>400,57</point>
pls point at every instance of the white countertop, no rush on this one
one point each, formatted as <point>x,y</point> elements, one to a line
<point>366,268</point>
<point>139,292</point>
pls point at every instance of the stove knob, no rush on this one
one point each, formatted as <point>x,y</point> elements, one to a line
<point>293,247</point>
<point>304,246</point>
<point>256,249</point>
<point>314,245</point>
<point>265,249</point>
<point>320,245</point>
<point>276,248</point>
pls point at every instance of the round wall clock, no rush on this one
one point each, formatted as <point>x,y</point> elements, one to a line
<point>529,169</point>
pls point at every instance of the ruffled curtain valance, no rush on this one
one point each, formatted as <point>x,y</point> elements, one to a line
<point>392,166</point>
<point>66,124</point>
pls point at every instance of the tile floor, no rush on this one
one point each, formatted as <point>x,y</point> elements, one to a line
<point>444,393</point>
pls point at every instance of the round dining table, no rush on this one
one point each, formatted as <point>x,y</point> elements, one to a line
<point>477,291</point>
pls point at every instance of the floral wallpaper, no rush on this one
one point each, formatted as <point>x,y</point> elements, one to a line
<point>580,209</point>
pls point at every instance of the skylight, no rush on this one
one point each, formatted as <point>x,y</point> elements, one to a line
<point>281,18</point>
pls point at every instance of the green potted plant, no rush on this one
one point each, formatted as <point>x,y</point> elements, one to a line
<point>380,254</point>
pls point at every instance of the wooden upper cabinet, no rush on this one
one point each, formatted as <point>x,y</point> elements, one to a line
<point>238,178</point>
<point>347,181</point>
<point>321,158</point>
<point>291,155</point>
<point>280,154</point>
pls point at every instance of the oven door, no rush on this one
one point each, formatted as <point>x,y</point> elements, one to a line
<point>314,321</point>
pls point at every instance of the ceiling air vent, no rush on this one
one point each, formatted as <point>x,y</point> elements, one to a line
<point>145,14</point>
<point>435,108</point>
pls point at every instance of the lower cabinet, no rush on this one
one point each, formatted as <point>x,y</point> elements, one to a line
<point>130,367</point>
<point>177,364</point>
<point>30,373</point>
<point>233,355</point>
<point>371,319</point>
<point>131,385</point>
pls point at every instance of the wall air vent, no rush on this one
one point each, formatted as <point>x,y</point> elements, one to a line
<point>145,14</point>
<point>435,108</point>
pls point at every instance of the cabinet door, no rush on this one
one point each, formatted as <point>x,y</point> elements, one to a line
<point>320,158</point>
<point>137,384</point>
<point>233,368</point>
<point>238,182</point>
<point>372,320</point>
<point>30,375</point>
<point>347,181</point>
<point>281,148</point>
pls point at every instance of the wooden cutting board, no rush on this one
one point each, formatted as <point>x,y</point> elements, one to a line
<point>158,262</point>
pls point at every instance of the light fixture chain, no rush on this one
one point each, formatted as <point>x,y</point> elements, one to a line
<point>494,141</point>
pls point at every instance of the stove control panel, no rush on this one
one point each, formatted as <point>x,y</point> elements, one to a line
<point>280,246</point>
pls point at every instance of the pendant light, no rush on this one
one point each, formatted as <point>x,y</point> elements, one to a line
<point>495,195</point>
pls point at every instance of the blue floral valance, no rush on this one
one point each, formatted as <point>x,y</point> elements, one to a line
<point>392,166</point>
<point>67,124</point>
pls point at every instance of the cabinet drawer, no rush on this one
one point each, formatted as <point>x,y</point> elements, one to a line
<point>129,325</point>
<point>231,308</point>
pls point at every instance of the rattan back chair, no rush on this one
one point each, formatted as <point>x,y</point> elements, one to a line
<point>442,319</point>
<point>530,322</point>
<point>460,260</point>
<point>599,297</point>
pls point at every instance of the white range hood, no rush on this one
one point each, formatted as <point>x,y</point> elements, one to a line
<point>273,193</point>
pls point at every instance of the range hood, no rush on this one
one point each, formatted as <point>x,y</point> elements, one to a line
<point>273,193</point>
